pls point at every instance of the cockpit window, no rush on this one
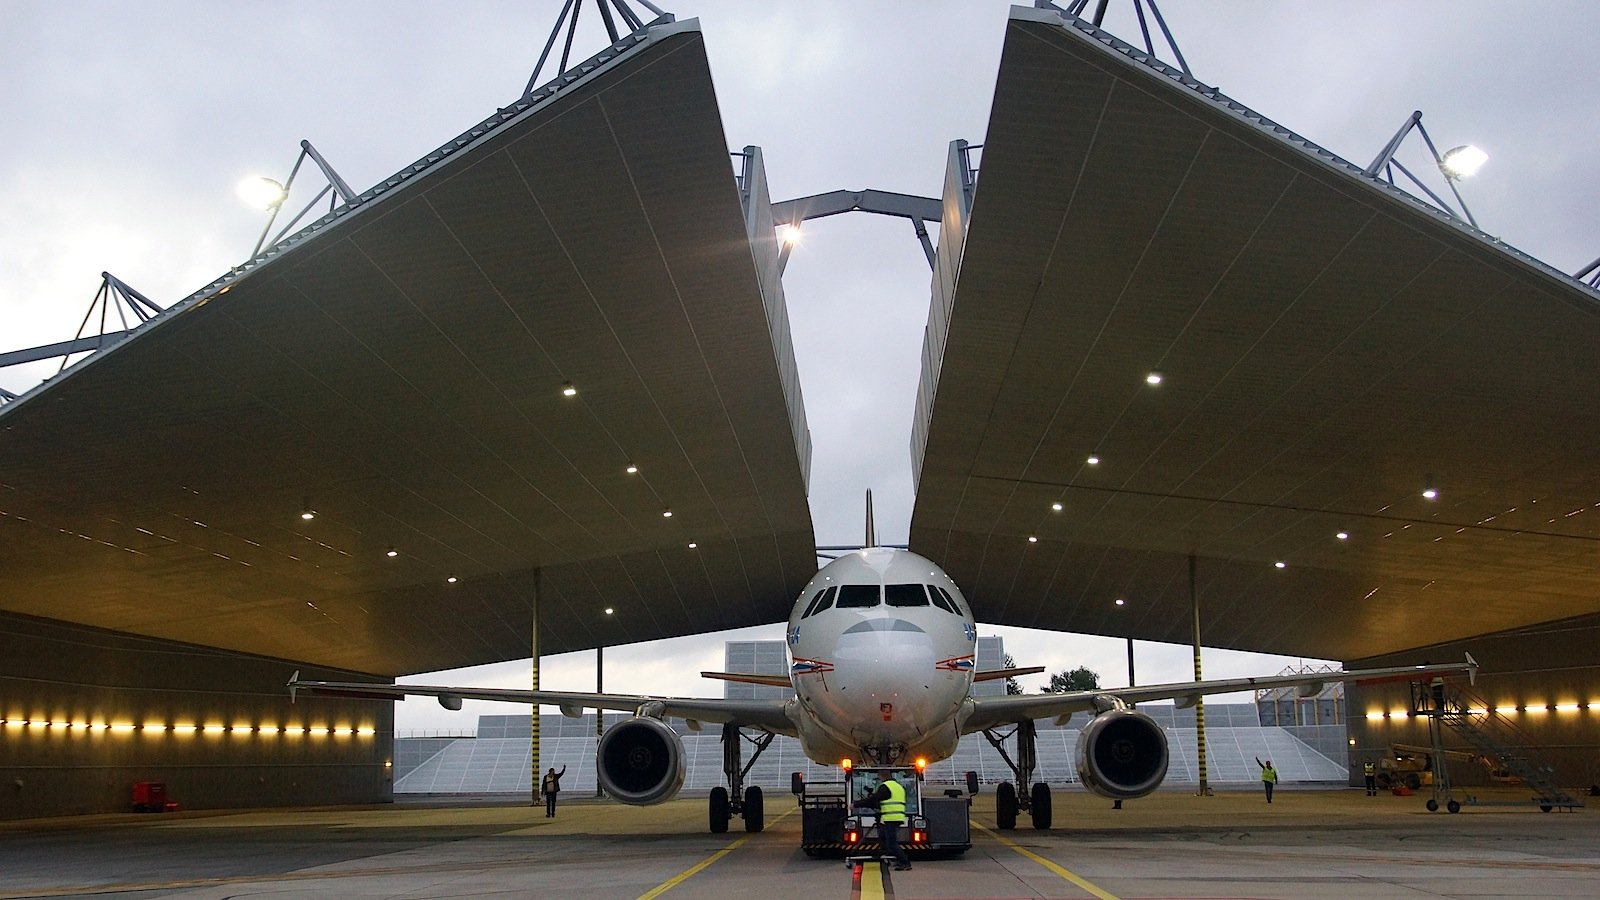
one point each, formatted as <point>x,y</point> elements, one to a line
<point>820,602</point>
<point>858,596</point>
<point>905,595</point>
<point>938,599</point>
<point>949,599</point>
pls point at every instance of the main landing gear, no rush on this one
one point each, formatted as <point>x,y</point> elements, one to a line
<point>745,802</point>
<point>1007,801</point>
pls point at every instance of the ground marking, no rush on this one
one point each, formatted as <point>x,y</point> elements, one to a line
<point>1087,886</point>
<point>690,872</point>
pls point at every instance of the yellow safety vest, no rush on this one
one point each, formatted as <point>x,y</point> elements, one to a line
<point>1369,769</point>
<point>894,808</point>
<point>1269,775</point>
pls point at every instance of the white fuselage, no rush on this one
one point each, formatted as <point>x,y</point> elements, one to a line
<point>883,663</point>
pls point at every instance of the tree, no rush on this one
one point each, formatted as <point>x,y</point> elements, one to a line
<point>1012,687</point>
<point>1080,679</point>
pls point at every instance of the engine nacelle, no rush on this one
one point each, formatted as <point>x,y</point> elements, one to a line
<point>1122,754</point>
<point>641,762</point>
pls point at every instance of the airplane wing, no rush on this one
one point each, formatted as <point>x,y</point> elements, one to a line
<point>988,712</point>
<point>770,715</point>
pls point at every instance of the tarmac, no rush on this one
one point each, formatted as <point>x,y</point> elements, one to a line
<point>1173,844</point>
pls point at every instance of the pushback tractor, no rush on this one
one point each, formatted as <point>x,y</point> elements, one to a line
<point>839,819</point>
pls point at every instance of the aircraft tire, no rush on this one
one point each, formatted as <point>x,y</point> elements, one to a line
<point>1433,806</point>
<point>720,812</point>
<point>1453,806</point>
<point>1005,806</point>
<point>1040,806</point>
<point>755,816</point>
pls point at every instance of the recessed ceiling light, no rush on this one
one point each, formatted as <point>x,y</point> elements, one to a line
<point>1280,564</point>
<point>632,469</point>
<point>308,514</point>
<point>450,580</point>
<point>1093,460</point>
<point>1056,506</point>
<point>1430,493</point>
<point>609,610</point>
<point>1121,602</point>
<point>392,553</point>
<point>693,545</point>
<point>666,514</point>
<point>1032,539</point>
<point>1343,535</point>
<point>567,390</point>
<point>1153,378</point>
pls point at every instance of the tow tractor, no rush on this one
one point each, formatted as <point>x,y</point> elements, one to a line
<point>838,818</point>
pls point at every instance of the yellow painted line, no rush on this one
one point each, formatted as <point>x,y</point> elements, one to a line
<point>700,866</point>
<point>1080,882</point>
<point>871,881</point>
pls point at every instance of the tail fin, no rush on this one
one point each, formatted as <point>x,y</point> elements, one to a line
<point>872,530</point>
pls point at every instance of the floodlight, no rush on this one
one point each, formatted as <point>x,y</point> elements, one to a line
<point>1463,161</point>
<point>262,192</point>
<point>789,235</point>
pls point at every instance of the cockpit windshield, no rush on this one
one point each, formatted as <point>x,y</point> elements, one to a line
<point>858,596</point>
<point>905,595</point>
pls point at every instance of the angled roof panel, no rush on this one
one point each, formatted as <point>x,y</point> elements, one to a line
<point>398,365</point>
<point>1328,345</point>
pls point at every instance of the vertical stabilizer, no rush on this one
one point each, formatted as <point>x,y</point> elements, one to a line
<point>872,530</point>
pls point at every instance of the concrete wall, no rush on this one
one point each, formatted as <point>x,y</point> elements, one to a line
<point>62,685</point>
<point>1551,665</point>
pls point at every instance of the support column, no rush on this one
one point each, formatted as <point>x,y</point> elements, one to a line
<point>1131,682</point>
<point>1200,703</point>
<point>599,714</point>
<point>533,641</point>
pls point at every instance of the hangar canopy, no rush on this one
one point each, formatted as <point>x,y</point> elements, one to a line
<point>398,368</point>
<point>1329,348</point>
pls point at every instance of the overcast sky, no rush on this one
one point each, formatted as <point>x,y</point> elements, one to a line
<point>128,125</point>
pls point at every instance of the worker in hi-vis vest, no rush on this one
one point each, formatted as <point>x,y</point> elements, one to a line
<point>891,799</point>
<point>1269,776</point>
<point>1371,771</point>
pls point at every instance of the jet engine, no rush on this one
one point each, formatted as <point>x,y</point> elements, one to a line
<point>641,762</point>
<point>1122,754</point>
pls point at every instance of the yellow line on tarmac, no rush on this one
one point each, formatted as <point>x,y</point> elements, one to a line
<point>1087,886</point>
<point>693,870</point>
<point>869,883</point>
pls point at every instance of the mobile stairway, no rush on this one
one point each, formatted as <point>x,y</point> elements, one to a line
<point>1496,737</point>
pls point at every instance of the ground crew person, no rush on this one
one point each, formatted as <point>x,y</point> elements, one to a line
<point>550,787</point>
<point>1371,771</point>
<point>891,800</point>
<point>1269,776</point>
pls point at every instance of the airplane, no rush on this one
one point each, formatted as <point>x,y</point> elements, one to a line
<point>882,649</point>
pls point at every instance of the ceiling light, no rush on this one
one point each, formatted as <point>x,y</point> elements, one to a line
<point>693,545</point>
<point>609,610</point>
<point>1463,161</point>
<point>450,580</point>
<point>1093,460</point>
<point>1280,564</point>
<point>1121,602</point>
<point>266,193</point>
<point>666,514</point>
<point>632,469</point>
<point>392,553</point>
<point>308,514</point>
<point>1032,539</point>
<point>1343,535</point>
<point>1154,378</point>
<point>788,234</point>
<point>1056,506</point>
<point>567,390</point>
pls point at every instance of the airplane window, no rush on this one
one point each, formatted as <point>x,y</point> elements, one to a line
<point>820,602</point>
<point>858,596</point>
<point>905,595</point>
<point>811,608</point>
<point>953,604</point>
<point>938,599</point>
